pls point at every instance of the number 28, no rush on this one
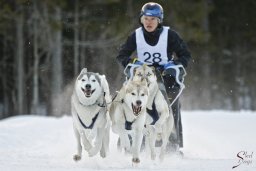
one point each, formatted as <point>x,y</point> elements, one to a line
<point>155,57</point>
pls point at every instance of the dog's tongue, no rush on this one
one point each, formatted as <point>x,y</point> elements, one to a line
<point>88,92</point>
<point>136,109</point>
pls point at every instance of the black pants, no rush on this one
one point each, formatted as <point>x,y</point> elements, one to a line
<point>173,89</point>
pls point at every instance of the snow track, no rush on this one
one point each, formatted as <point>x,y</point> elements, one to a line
<point>212,140</point>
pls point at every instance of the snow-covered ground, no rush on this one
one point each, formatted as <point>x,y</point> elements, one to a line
<point>213,140</point>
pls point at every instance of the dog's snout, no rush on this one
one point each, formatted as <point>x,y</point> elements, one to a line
<point>138,102</point>
<point>88,86</point>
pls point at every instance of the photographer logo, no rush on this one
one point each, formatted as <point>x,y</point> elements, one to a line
<point>244,158</point>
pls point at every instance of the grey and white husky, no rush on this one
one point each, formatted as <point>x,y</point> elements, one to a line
<point>89,106</point>
<point>128,116</point>
<point>159,121</point>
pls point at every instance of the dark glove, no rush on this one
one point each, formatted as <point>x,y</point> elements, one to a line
<point>169,70</point>
<point>177,62</point>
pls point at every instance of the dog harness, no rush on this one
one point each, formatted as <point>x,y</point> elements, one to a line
<point>92,124</point>
<point>128,125</point>
<point>152,54</point>
<point>153,113</point>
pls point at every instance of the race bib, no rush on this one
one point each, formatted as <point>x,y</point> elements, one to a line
<point>152,54</point>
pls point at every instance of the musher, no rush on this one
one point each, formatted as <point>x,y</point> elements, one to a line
<point>159,46</point>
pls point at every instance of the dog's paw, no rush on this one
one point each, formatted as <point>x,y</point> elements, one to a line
<point>161,156</point>
<point>119,148</point>
<point>76,157</point>
<point>135,160</point>
<point>153,155</point>
<point>92,152</point>
<point>103,153</point>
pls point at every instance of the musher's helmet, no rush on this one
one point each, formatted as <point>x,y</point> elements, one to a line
<point>152,9</point>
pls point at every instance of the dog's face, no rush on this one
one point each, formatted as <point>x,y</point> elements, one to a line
<point>88,85</point>
<point>139,74</point>
<point>150,74</point>
<point>136,96</point>
<point>144,73</point>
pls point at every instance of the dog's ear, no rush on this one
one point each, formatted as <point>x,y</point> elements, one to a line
<point>127,86</point>
<point>153,70</point>
<point>84,71</point>
<point>98,78</point>
<point>144,66</point>
<point>134,70</point>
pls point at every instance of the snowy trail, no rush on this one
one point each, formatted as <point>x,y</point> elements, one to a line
<point>212,140</point>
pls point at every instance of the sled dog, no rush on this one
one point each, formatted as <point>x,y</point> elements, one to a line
<point>89,107</point>
<point>128,116</point>
<point>159,122</point>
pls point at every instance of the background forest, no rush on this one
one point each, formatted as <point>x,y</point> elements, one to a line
<point>45,44</point>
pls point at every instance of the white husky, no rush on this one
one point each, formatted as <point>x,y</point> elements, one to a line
<point>159,122</point>
<point>91,120</point>
<point>128,116</point>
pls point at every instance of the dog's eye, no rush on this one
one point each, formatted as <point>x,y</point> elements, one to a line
<point>143,94</point>
<point>140,74</point>
<point>93,80</point>
<point>133,94</point>
<point>83,80</point>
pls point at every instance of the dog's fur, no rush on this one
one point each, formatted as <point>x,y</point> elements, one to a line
<point>91,120</point>
<point>162,128</point>
<point>131,108</point>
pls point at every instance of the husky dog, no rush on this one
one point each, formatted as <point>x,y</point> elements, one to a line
<point>159,122</point>
<point>128,116</point>
<point>91,122</point>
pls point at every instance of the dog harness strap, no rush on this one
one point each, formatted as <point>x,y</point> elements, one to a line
<point>104,103</point>
<point>153,113</point>
<point>92,124</point>
<point>114,97</point>
<point>128,125</point>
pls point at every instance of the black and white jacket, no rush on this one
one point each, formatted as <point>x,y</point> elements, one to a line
<point>175,45</point>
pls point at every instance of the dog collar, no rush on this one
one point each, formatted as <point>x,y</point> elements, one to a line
<point>103,104</point>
